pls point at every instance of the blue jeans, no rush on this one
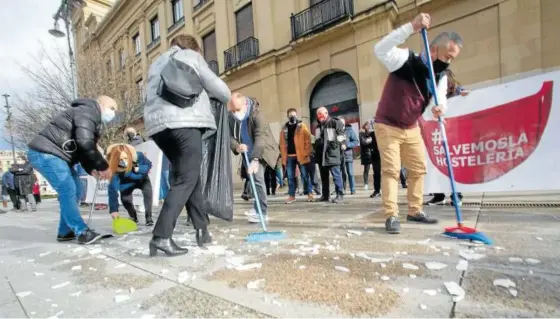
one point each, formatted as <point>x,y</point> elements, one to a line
<point>348,174</point>
<point>83,190</point>
<point>337,178</point>
<point>291,170</point>
<point>66,183</point>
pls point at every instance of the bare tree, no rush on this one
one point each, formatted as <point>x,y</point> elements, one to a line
<point>51,92</point>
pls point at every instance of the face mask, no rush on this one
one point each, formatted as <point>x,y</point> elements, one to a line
<point>122,164</point>
<point>107,116</point>
<point>321,117</point>
<point>293,119</point>
<point>440,66</point>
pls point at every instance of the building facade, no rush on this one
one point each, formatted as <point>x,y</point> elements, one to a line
<point>7,159</point>
<point>310,53</point>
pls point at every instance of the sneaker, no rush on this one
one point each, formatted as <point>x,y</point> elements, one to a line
<point>245,197</point>
<point>366,187</point>
<point>322,200</point>
<point>338,199</point>
<point>89,237</point>
<point>256,219</point>
<point>290,200</point>
<point>250,213</point>
<point>421,217</point>
<point>310,198</point>
<point>68,237</point>
<point>353,193</point>
<point>392,225</point>
<point>435,201</point>
<point>375,194</point>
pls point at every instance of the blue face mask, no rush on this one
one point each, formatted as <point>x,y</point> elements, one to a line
<point>107,116</point>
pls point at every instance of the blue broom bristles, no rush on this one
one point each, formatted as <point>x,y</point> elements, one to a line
<point>478,236</point>
<point>265,236</point>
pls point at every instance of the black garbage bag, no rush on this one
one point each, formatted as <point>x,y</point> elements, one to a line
<point>215,173</point>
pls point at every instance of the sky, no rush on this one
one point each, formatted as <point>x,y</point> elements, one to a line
<point>24,25</point>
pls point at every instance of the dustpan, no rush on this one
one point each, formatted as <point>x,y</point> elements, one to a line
<point>123,226</point>
<point>264,235</point>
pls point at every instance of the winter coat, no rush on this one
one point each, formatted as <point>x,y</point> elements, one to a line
<point>72,135</point>
<point>352,142</point>
<point>328,142</point>
<point>160,114</point>
<point>136,140</point>
<point>125,180</point>
<point>8,180</point>
<point>302,140</point>
<point>265,147</point>
<point>24,178</point>
<point>369,151</point>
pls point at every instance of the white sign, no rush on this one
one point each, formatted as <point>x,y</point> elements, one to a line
<point>501,138</point>
<point>155,155</point>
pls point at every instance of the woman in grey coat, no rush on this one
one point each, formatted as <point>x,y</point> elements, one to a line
<point>179,132</point>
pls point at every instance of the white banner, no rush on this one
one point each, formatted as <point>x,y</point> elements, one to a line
<point>501,138</point>
<point>154,154</point>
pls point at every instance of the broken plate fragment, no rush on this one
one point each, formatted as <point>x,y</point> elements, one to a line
<point>532,261</point>
<point>515,260</point>
<point>513,292</point>
<point>423,307</point>
<point>410,266</point>
<point>468,255</point>
<point>430,292</point>
<point>455,290</point>
<point>255,284</point>
<point>340,268</point>
<point>462,265</point>
<point>121,298</point>
<point>504,282</point>
<point>370,290</point>
<point>24,294</point>
<point>249,266</point>
<point>434,265</point>
<point>182,277</point>
<point>64,284</point>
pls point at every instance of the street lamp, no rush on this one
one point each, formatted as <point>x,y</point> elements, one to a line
<point>9,120</point>
<point>64,12</point>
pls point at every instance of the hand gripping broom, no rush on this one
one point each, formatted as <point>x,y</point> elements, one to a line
<point>460,232</point>
<point>265,234</point>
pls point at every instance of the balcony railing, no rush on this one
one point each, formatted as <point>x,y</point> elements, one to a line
<point>213,65</point>
<point>320,16</point>
<point>240,53</point>
<point>200,4</point>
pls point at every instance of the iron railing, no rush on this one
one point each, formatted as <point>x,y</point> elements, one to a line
<point>320,16</point>
<point>200,4</point>
<point>240,53</point>
<point>213,65</point>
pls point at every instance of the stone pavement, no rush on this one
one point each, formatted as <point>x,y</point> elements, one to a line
<point>336,261</point>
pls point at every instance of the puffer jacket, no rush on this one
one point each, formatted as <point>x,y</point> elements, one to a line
<point>73,134</point>
<point>122,181</point>
<point>160,114</point>
<point>328,142</point>
<point>24,178</point>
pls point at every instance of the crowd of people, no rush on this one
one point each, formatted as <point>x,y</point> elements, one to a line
<point>179,117</point>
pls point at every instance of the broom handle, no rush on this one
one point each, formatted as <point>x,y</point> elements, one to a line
<point>93,200</point>
<point>433,88</point>
<point>255,193</point>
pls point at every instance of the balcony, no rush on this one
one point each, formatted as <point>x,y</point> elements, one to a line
<point>240,53</point>
<point>320,16</point>
<point>213,65</point>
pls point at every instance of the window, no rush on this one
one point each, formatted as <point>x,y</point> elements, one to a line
<point>154,28</point>
<point>136,42</point>
<point>209,47</point>
<point>122,59</point>
<point>177,7</point>
<point>140,88</point>
<point>244,23</point>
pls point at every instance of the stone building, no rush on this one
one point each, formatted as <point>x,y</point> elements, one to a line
<point>308,53</point>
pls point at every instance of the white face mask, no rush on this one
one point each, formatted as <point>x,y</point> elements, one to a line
<point>20,162</point>
<point>107,116</point>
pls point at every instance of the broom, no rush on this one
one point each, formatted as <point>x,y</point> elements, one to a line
<point>265,234</point>
<point>460,231</point>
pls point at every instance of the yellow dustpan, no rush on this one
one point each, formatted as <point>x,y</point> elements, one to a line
<point>123,226</point>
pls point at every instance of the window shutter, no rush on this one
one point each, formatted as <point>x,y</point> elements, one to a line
<point>209,47</point>
<point>244,23</point>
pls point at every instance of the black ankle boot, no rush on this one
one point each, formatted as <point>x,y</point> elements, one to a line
<point>149,220</point>
<point>177,246</point>
<point>166,245</point>
<point>203,237</point>
<point>134,219</point>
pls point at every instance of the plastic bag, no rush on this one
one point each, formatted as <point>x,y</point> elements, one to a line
<point>216,173</point>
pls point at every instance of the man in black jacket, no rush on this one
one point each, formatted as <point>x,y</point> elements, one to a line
<point>329,145</point>
<point>24,178</point>
<point>71,137</point>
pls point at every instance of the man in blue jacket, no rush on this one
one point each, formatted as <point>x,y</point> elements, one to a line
<point>9,186</point>
<point>347,167</point>
<point>126,180</point>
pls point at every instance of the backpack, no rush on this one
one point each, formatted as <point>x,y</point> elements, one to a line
<point>180,84</point>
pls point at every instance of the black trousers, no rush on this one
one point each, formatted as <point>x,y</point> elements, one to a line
<point>126,197</point>
<point>270,180</point>
<point>14,198</point>
<point>183,148</point>
<point>441,196</point>
<point>376,175</point>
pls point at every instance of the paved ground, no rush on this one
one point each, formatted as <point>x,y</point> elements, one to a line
<point>336,261</point>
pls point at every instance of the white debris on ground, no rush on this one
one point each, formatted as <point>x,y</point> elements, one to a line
<point>412,276</point>
<point>302,267</point>
<point>515,260</point>
<point>255,284</point>
<point>95,251</point>
<point>182,277</point>
<point>434,265</point>
<point>340,268</point>
<point>385,278</point>
<point>353,232</point>
<point>383,265</point>
<point>120,265</point>
<point>77,268</point>
<point>423,307</point>
<point>249,266</point>
<point>538,238</point>
<point>470,255</point>
<point>504,282</point>
<point>45,254</point>
<point>405,290</point>
<point>23,294</point>
<point>76,294</point>
<point>121,298</point>
<point>148,316</point>
<point>56,315</point>
<point>370,290</point>
<point>430,292</point>
<point>455,290</point>
<point>462,265</point>
<point>64,284</point>
<point>423,242</point>
<point>513,292</point>
<point>164,271</point>
<point>532,261</point>
<point>410,266</point>
<point>37,274</point>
